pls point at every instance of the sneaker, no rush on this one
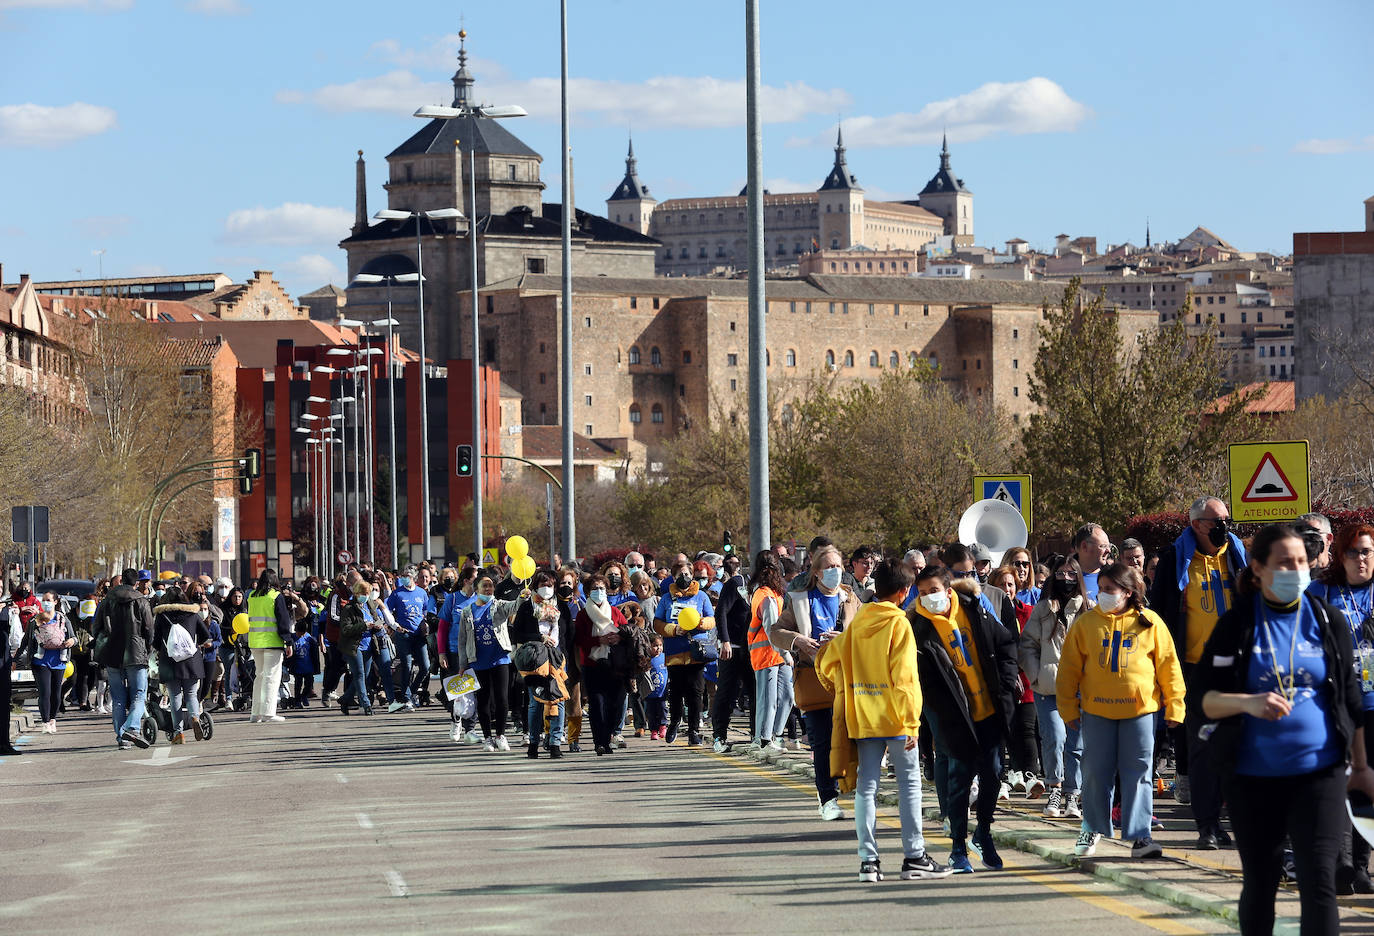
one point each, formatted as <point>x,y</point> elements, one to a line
<point>870,872</point>
<point>1156,825</point>
<point>472,737</point>
<point>1054,807</point>
<point>135,738</point>
<point>125,745</point>
<point>720,747</point>
<point>794,744</point>
<point>959,863</point>
<point>198,730</point>
<point>830,810</point>
<point>1073,809</point>
<point>944,825</point>
<point>1116,817</point>
<point>455,733</point>
<point>917,869</point>
<point>574,748</point>
<point>981,842</point>
<point>275,718</point>
<point>694,739</point>
<point>1003,793</point>
<point>618,741</point>
<point>1017,781</point>
<point>758,744</point>
<point>775,746</point>
<point>1290,867</point>
<point>1183,791</point>
<point>502,744</point>
<point>408,707</point>
<point>671,734</point>
<point>973,794</point>
<point>488,746</point>
<point>1035,788</point>
<point>395,707</point>
<point>1086,846</point>
<point>1146,848</point>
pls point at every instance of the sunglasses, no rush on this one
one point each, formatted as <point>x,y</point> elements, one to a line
<point>1021,564</point>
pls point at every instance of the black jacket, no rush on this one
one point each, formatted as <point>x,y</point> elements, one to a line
<point>1226,660</point>
<point>733,612</point>
<point>128,619</point>
<point>944,699</point>
<point>188,616</point>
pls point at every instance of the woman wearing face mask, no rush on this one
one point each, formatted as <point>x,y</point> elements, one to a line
<point>1022,749</point>
<point>705,577</point>
<point>645,592</point>
<point>49,640</point>
<point>359,621</point>
<point>484,645</point>
<point>1348,584</point>
<point>598,629</point>
<point>617,583</point>
<point>686,678</point>
<point>1041,643</point>
<point>772,670</point>
<point>1118,667</point>
<point>231,605</point>
<point>570,600</point>
<point>180,679</point>
<point>539,617</point>
<point>1276,684</point>
<point>815,609</point>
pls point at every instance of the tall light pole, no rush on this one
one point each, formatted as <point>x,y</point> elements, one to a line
<point>438,214</point>
<point>325,486</point>
<point>465,108</point>
<point>569,515</point>
<point>306,432</point>
<point>760,515</point>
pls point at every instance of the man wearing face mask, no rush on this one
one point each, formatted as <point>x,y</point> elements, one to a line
<point>1195,584</point>
<point>408,604</point>
<point>634,562</point>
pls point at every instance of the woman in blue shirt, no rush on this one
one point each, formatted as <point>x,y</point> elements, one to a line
<point>686,677</point>
<point>1282,708</point>
<point>484,646</point>
<point>1348,585</point>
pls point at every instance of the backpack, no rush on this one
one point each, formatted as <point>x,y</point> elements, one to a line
<point>181,646</point>
<point>52,635</point>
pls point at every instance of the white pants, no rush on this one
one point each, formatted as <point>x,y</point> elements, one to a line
<point>267,682</point>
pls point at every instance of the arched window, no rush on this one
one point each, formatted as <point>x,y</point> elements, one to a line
<point>656,414</point>
<point>911,357</point>
<point>635,415</point>
<point>849,359</point>
<point>894,360</point>
<point>634,354</point>
<point>791,358</point>
<point>873,359</point>
<point>655,357</point>
<point>830,359</point>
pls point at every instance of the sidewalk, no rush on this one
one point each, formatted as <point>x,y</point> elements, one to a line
<point>1208,881</point>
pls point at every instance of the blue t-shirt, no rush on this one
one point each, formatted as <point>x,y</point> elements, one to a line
<point>668,610</point>
<point>365,644</point>
<point>619,599</point>
<point>489,651</point>
<point>658,677</point>
<point>408,607</point>
<point>303,656</point>
<point>825,610</point>
<point>454,606</point>
<point>1304,740</point>
<point>1029,595</point>
<point>1090,585</point>
<point>1357,604</point>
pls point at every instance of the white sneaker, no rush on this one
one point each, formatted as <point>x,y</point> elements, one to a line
<point>275,718</point>
<point>453,730</point>
<point>1003,793</point>
<point>102,711</point>
<point>1086,846</point>
<point>776,746</point>
<point>1017,781</point>
<point>395,707</point>
<point>488,746</point>
<point>255,720</point>
<point>757,744</point>
<point>1035,787</point>
<point>1074,807</point>
<point>830,810</point>
<point>619,741</point>
<point>1054,808</point>
<point>501,743</point>
<point>720,747</point>
<point>408,707</point>
<point>472,737</point>
<point>795,744</point>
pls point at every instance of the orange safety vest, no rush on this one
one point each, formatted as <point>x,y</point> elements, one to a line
<point>762,653</point>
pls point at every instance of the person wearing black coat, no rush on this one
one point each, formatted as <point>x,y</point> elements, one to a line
<point>122,635</point>
<point>734,674</point>
<point>969,706</point>
<point>181,678</point>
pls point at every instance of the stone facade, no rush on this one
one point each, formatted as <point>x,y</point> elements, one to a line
<point>1333,300</point>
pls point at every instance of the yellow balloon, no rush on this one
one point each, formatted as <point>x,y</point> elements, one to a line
<point>517,547</point>
<point>67,673</point>
<point>689,619</point>
<point>523,568</point>
<point>240,623</point>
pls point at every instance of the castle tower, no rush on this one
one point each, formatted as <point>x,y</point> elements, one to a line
<point>841,204</point>
<point>947,196</point>
<point>630,205</point>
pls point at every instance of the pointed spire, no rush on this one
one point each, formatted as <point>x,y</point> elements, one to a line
<point>462,78</point>
<point>360,196</point>
<point>840,176</point>
<point>630,187</point>
<point>1147,233</point>
<point>944,151</point>
<point>630,161</point>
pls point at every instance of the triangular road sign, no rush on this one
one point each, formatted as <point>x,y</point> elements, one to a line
<point>1004,495</point>
<point>1269,483</point>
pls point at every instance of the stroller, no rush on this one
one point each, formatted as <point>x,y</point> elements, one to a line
<point>158,717</point>
<point>244,672</point>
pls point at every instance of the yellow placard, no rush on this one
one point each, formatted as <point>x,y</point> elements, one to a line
<point>1014,489</point>
<point>1269,481</point>
<point>461,684</point>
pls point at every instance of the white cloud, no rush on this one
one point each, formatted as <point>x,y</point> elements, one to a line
<point>1335,147</point>
<point>98,5</point>
<point>666,101</point>
<point>40,125</point>
<point>217,7</point>
<point>289,223</point>
<point>100,227</point>
<point>1036,105</point>
<point>314,269</point>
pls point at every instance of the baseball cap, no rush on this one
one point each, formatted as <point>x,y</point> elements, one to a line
<point>144,575</point>
<point>980,553</point>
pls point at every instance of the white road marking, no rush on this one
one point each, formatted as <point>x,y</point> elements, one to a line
<point>364,820</point>
<point>161,758</point>
<point>397,884</point>
<point>341,778</point>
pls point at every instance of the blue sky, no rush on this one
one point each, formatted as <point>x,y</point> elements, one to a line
<point>199,135</point>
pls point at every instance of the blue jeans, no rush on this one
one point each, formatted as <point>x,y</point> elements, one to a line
<point>379,652</point>
<point>535,719</point>
<point>1124,747</point>
<point>128,696</point>
<point>772,701</point>
<point>987,767</point>
<point>1061,748</point>
<point>411,651</point>
<point>907,764</point>
<point>182,700</point>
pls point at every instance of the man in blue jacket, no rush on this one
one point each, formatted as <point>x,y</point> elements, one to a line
<point>408,603</point>
<point>1195,584</point>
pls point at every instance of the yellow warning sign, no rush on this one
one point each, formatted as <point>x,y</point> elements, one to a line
<point>1269,481</point>
<point>489,557</point>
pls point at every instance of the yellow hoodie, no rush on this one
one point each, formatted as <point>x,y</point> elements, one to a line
<point>1119,666</point>
<point>872,665</point>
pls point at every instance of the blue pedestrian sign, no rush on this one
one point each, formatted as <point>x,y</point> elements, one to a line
<point>1010,489</point>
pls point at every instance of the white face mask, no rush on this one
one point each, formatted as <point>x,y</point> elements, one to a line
<point>376,594</point>
<point>544,591</point>
<point>936,602</point>
<point>47,605</point>
<point>1110,601</point>
<point>222,592</point>
<point>830,577</point>
<point>204,615</point>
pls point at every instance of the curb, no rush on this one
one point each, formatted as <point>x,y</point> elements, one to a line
<point>20,723</point>
<point>1024,841</point>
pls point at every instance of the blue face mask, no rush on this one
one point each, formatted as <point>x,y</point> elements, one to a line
<point>830,577</point>
<point>597,595</point>
<point>634,569</point>
<point>481,599</point>
<point>403,581</point>
<point>1289,584</point>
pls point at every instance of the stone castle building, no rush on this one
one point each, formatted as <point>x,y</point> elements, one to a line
<point>701,235</point>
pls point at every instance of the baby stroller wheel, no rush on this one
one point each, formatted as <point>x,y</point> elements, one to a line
<point>148,728</point>
<point>207,726</point>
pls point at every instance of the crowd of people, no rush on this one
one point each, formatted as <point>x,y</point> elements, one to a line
<point>1079,682</point>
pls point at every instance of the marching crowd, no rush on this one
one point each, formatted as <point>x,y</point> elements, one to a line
<point>1246,670</point>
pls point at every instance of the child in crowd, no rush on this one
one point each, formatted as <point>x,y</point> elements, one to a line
<point>305,663</point>
<point>653,689</point>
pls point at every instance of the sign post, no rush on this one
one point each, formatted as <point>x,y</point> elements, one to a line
<point>29,525</point>
<point>1013,489</point>
<point>1269,481</point>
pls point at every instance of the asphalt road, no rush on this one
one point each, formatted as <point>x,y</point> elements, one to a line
<point>368,825</point>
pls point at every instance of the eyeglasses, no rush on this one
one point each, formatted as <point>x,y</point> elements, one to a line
<point>1070,577</point>
<point>1021,564</point>
<point>1363,555</point>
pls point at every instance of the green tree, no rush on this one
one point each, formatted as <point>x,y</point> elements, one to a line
<point>1121,427</point>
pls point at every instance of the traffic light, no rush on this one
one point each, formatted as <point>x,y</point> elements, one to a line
<point>465,461</point>
<point>245,485</point>
<point>728,549</point>
<point>252,464</point>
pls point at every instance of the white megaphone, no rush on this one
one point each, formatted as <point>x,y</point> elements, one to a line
<point>996,524</point>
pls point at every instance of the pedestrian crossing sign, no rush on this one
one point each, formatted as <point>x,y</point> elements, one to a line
<point>1010,489</point>
<point>1269,481</point>
<point>489,557</point>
